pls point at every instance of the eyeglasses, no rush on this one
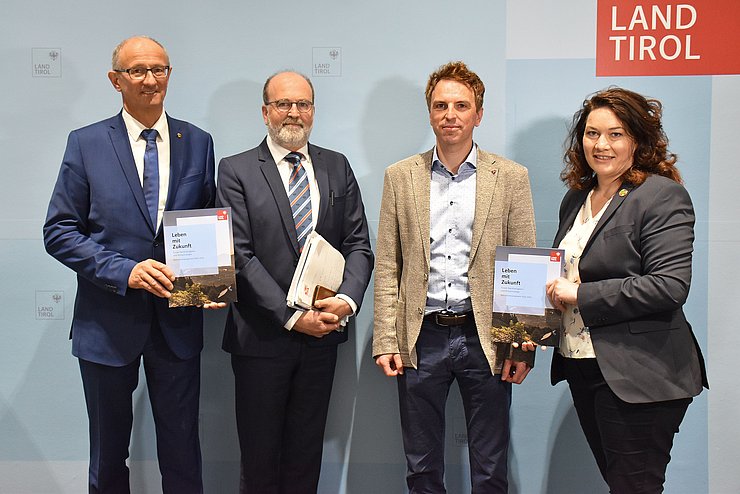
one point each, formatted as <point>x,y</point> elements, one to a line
<point>284,105</point>
<point>138,73</point>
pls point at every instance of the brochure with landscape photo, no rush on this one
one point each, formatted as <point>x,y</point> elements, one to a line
<point>521,309</point>
<point>199,248</point>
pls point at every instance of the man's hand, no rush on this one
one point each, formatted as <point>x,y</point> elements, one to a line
<point>335,305</point>
<point>152,276</point>
<point>215,305</point>
<point>316,323</point>
<point>514,372</point>
<point>390,363</point>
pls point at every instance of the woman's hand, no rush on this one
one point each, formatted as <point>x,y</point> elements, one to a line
<point>561,292</point>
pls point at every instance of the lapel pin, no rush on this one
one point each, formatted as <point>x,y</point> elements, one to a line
<point>623,192</point>
<point>179,135</point>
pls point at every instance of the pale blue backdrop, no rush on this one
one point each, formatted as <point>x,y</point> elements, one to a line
<point>537,60</point>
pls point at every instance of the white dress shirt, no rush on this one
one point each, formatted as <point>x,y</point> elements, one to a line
<point>138,147</point>
<point>285,168</point>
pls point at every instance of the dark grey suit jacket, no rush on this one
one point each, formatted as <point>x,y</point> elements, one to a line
<point>266,246</point>
<point>635,275</point>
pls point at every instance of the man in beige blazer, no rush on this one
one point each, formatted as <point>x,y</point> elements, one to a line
<point>442,215</point>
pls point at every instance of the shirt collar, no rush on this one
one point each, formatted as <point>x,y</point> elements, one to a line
<point>134,127</point>
<point>471,160</point>
<point>278,152</point>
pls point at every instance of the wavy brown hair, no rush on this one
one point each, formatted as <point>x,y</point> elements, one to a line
<point>641,119</point>
<point>456,71</point>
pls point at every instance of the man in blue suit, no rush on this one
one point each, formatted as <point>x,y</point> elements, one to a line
<point>283,359</point>
<point>104,222</point>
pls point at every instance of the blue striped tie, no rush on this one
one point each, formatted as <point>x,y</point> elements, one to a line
<point>151,174</point>
<point>299,194</point>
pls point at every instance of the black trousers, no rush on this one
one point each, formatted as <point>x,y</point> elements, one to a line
<point>282,403</point>
<point>631,442</point>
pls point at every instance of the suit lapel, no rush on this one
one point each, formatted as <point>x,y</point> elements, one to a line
<point>177,158</point>
<point>485,183</point>
<point>614,205</point>
<point>570,216</point>
<point>321,173</point>
<point>421,179</point>
<point>122,148</point>
<point>272,176</point>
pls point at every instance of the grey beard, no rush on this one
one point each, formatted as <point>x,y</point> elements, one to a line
<point>289,138</point>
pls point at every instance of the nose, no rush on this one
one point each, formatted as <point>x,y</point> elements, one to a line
<point>602,142</point>
<point>293,112</point>
<point>149,78</point>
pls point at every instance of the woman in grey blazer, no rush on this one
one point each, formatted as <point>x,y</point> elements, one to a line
<point>626,349</point>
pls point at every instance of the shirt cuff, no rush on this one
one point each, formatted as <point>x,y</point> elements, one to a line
<point>352,305</point>
<point>291,322</point>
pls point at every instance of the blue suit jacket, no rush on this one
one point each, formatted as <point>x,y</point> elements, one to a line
<point>266,247</point>
<point>98,225</point>
<point>635,275</point>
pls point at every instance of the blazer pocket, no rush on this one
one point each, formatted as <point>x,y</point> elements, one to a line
<point>337,200</point>
<point>619,229</point>
<point>191,178</point>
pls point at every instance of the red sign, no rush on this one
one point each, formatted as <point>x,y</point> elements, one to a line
<point>693,37</point>
<point>221,214</point>
<point>554,256</point>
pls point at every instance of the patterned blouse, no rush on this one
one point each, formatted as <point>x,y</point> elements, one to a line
<point>575,340</point>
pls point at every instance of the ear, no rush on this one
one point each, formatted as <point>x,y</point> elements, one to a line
<point>113,76</point>
<point>264,113</point>
<point>479,116</point>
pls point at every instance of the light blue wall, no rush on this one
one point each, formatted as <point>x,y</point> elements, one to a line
<point>374,112</point>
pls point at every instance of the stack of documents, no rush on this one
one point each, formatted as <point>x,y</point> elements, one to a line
<point>320,266</point>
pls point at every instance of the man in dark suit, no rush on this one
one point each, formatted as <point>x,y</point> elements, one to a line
<point>283,359</point>
<point>116,179</point>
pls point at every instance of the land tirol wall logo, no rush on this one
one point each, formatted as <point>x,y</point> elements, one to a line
<point>693,37</point>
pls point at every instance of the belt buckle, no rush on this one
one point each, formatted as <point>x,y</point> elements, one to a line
<point>449,318</point>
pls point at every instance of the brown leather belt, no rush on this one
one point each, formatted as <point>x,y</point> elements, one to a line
<point>444,318</point>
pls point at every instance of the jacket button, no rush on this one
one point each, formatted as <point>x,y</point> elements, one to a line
<point>420,310</point>
<point>156,244</point>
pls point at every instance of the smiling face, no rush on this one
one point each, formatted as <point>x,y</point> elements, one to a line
<point>144,98</point>
<point>608,148</point>
<point>452,113</point>
<point>290,129</point>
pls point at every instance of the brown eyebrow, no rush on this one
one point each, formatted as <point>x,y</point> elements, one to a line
<point>589,127</point>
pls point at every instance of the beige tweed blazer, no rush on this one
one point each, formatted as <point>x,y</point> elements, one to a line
<point>504,215</point>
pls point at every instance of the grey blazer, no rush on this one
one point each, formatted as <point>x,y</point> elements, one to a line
<point>503,216</point>
<point>635,275</point>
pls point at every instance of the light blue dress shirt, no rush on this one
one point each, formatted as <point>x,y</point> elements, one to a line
<point>452,209</point>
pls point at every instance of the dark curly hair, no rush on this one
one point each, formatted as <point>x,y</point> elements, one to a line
<point>457,71</point>
<point>640,118</point>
